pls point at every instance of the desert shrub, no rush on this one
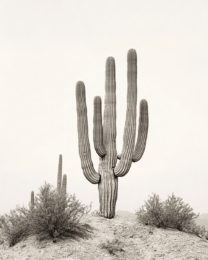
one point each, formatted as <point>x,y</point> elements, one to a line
<point>2,220</point>
<point>199,231</point>
<point>1,238</point>
<point>206,234</point>
<point>112,246</point>
<point>57,215</point>
<point>172,213</point>
<point>152,212</point>
<point>53,216</point>
<point>177,214</point>
<point>14,227</point>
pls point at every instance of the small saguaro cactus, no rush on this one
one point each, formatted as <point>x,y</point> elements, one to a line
<point>104,135</point>
<point>59,177</point>
<point>64,184</point>
<point>32,200</point>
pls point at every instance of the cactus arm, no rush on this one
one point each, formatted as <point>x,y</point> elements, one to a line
<point>142,132</point>
<point>32,199</point>
<point>98,128</point>
<point>109,122</point>
<point>84,145</point>
<point>59,177</point>
<point>64,184</point>
<point>130,125</point>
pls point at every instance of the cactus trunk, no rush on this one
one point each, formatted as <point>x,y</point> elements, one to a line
<point>108,190</point>
<point>108,185</point>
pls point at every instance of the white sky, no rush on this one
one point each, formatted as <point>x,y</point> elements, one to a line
<point>47,46</point>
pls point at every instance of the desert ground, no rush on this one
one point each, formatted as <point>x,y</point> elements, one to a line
<point>128,239</point>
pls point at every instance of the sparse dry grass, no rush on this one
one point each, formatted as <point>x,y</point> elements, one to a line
<point>113,246</point>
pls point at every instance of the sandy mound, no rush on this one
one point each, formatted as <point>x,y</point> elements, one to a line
<point>134,241</point>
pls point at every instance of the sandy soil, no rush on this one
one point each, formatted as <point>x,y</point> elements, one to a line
<point>134,241</point>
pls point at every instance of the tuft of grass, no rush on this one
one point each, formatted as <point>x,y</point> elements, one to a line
<point>113,246</point>
<point>95,213</point>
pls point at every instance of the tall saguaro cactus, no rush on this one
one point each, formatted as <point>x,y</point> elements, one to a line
<point>59,177</point>
<point>104,135</point>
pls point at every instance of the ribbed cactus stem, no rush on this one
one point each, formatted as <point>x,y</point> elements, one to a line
<point>32,199</point>
<point>109,122</point>
<point>130,125</point>
<point>104,136</point>
<point>84,145</point>
<point>64,184</point>
<point>98,127</point>
<point>108,185</point>
<point>142,131</point>
<point>59,177</point>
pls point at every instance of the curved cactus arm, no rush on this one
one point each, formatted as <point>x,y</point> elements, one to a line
<point>130,125</point>
<point>98,128</point>
<point>142,131</point>
<point>109,122</point>
<point>59,177</point>
<point>84,145</point>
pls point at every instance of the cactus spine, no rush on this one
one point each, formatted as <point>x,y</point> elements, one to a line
<point>32,200</point>
<point>59,178</point>
<point>104,136</point>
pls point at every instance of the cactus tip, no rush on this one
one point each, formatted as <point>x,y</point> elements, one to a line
<point>80,89</point>
<point>110,61</point>
<point>97,99</point>
<point>132,54</point>
<point>143,103</point>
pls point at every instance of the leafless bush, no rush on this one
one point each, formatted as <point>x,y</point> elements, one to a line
<point>152,212</point>
<point>53,216</point>
<point>14,227</point>
<point>58,215</point>
<point>172,213</point>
